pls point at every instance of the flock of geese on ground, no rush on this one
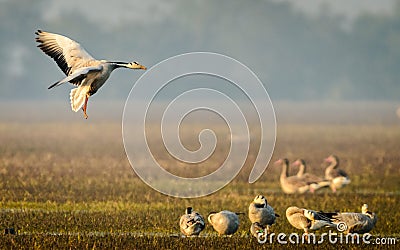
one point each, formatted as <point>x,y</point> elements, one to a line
<point>262,215</point>
<point>302,182</point>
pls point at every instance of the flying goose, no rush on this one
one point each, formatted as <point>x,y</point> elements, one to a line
<point>262,213</point>
<point>335,175</point>
<point>293,184</point>
<point>224,222</point>
<point>81,69</point>
<point>356,222</point>
<point>307,220</point>
<point>191,223</point>
<point>301,164</point>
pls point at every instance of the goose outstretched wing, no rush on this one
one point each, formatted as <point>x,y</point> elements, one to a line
<point>68,54</point>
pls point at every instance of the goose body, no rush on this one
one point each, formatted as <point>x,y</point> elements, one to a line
<point>310,178</point>
<point>262,213</point>
<point>80,68</point>
<point>338,178</point>
<point>356,222</point>
<point>224,222</point>
<point>307,220</point>
<point>191,223</point>
<point>293,184</point>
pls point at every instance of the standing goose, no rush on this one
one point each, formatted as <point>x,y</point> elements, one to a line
<point>307,220</point>
<point>262,213</point>
<point>301,164</point>
<point>81,69</point>
<point>293,184</point>
<point>336,176</point>
<point>356,222</point>
<point>191,223</point>
<point>224,222</point>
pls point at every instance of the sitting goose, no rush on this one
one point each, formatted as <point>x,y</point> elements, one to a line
<point>256,229</point>
<point>293,184</point>
<point>301,164</point>
<point>336,176</point>
<point>356,222</point>
<point>191,223</point>
<point>307,220</point>
<point>81,69</point>
<point>262,213</point>
<point>224,222</point>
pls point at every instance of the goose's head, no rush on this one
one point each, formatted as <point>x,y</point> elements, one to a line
<point>293,210</point>
<point>135,65</point>
<point>309,214</point>
<point>260,199</point>
<point>282,162</point>
<point>210,215</point>
<point>189,210</point>
<point>299,162</point>
<point>364,209</point>
<point>332,159</point>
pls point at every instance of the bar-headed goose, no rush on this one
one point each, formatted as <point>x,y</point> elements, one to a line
<point>355,222</point>
<point>262,213</point>
<point>307,220</point>
<point>191,223</point>
<point>256,229</point>
<point>224,222</point>
<point>81,69</point>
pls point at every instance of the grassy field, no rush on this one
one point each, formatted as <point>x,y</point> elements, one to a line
<point>70,185</point>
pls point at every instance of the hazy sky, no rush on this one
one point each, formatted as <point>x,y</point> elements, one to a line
<point>349,8</point>
<point>131,11</point>
<point>298,55</point>
<point>150,11</point>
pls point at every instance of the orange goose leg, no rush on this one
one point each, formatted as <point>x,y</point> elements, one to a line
<point>85,107</point>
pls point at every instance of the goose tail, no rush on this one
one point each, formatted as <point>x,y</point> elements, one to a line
<point>77,97</point>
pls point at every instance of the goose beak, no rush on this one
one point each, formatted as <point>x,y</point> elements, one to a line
<point>135,65</point>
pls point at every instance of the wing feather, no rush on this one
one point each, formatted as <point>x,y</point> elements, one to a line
<point>68,54</point>
<point>77,76</point>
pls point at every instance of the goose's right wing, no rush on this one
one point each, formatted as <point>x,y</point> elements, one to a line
<point>68,54</point>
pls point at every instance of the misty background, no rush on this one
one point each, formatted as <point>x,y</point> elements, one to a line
<point>310,51</point>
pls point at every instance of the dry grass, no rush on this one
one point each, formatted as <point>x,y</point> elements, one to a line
<point>70,185</point>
